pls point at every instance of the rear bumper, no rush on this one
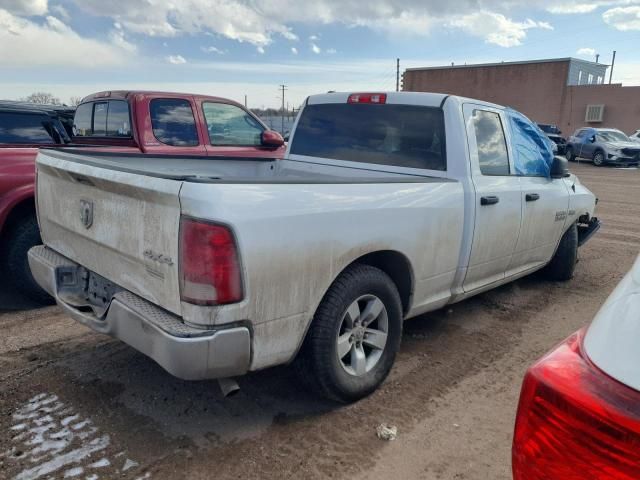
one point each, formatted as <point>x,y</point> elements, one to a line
<point>185,352</point>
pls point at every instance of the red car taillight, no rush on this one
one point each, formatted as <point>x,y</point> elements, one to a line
<point>209,264</point>
<point>575,422</point>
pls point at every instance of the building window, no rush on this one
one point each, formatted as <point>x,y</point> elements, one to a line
<point>580,77</point>
<point>599,79</point>
<point>590,79</point>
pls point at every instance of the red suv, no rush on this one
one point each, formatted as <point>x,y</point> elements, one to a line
<point>24,127</point>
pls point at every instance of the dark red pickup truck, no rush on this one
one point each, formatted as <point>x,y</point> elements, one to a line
<point>157,123</point>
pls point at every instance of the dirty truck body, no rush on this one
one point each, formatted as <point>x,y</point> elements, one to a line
<point>215,268</point>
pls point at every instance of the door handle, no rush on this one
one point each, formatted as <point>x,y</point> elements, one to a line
<point>492,200</point>
<point>531,197</point>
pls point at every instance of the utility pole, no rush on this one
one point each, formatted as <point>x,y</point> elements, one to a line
<point>613,62</point>
<point>283,87</point>
<point>245,100</point>
<point>397,74</point>
<point>597,57</point>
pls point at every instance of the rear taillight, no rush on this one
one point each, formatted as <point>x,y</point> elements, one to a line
<point>367,98</point>
<point>209,264</point>
<point>575,422</point>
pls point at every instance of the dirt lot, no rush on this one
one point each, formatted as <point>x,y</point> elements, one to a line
<point>76,403</point>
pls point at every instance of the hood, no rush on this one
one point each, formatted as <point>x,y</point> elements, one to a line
<point>620,145</point>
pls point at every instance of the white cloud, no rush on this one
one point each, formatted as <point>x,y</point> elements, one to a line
<point>176,59</point>
<point>294,50</point>
<point>332,51</point>
<point>496,28</point>
<point>212,49</point>
<point>117,38</point>
<point>568,7</point>
<point>623,18</point>
<point>313,37</point>
<point>61,12</point>
<point>27,43</point>
<point>315,48</point>
<point>260,50</point>
<point>25,7</point>
<point>289,35</point>
<point>586,52</point>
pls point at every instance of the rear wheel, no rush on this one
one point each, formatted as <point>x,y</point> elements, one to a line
<point>598,158</point>
<point>569,154</point>
<point>563,263</point>
<point>23,235</point>
<point>354,336</point>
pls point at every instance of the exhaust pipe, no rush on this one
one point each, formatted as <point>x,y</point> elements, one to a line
<point>228,386</point>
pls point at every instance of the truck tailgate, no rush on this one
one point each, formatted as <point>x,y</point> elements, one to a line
<point>119,225</point>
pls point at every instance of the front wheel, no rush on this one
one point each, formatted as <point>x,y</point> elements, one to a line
<point>354,336</point>
<point>563,263</point>
<point>569,154</point>
<point>598,158</point>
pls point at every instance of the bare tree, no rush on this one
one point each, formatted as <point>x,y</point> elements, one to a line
<point>75,101</point>
<point>43,98</point>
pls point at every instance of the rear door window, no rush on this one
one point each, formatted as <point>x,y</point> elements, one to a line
<point>102,119</point>
<point>173,122</point>
<point>491,143</point>
<point>400,135</point>
<point>25,128</point>
<point>230,125</point>
<point>118,122</point>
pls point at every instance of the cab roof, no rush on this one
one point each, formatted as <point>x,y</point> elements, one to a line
<point>426,99</point>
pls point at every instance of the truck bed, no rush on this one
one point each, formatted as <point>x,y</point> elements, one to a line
<point>250,170</point>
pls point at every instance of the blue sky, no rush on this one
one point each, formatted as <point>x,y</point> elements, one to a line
<point>233,48</point>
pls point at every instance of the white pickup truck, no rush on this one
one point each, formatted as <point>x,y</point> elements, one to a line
<point>386,206</point>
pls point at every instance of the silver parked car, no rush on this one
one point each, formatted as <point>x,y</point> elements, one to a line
<point>603,146</point>
<point>635,136</point>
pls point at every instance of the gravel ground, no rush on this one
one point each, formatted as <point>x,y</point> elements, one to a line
<point>79,404</point>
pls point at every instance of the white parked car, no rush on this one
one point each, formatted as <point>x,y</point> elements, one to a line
<point>386,206</point>
<point>635,136</point>
<point>579,412</point>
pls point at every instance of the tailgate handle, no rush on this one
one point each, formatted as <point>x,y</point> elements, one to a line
<point>531,197</point>
<point>491,200</point>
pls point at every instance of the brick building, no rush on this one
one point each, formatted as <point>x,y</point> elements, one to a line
<point>568,92</point>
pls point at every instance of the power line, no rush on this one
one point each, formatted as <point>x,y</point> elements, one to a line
<point>283,87</point>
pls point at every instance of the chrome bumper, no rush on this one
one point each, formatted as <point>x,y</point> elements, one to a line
<point>185,352</point>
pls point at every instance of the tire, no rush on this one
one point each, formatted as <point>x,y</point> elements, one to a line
<point>598,158</point>
<point>563,263</point>
<point>22,236</point>
<point>569,154</point>
<point>336,327</point>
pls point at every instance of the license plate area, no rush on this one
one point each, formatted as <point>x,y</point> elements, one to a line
<point>80,287</point>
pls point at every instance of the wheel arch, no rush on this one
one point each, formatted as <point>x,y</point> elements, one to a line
<point>393,263</point>
<point>397,266</point>
<point>22,207</point>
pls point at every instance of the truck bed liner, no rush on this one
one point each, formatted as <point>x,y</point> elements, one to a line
<point>251,170</point>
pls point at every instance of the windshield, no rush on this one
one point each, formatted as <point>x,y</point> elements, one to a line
<point>612,136</point>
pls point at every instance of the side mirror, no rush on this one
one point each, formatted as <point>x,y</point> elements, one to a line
<point>559,167</point>
<point>271,138</point>
<point>592,139</point>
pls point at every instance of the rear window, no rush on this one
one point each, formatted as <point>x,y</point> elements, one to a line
<point>102,119</point>
<point>173,122</point>
<point>24,128</point>
<point>400,135</point>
